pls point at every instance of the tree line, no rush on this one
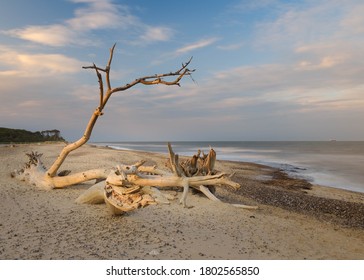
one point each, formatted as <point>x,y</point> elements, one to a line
<point>10,135</point>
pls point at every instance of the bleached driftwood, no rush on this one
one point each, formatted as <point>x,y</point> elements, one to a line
<point>36,173</point>
<point>127,187</point>
<point>130,187</point>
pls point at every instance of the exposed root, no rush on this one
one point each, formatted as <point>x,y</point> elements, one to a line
<point>212,197</point>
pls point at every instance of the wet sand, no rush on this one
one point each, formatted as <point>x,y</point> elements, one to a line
<point>295,220</point>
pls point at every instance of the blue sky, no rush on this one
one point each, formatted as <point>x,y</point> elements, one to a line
<point>265,69</point>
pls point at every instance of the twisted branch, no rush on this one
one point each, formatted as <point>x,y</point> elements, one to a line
<point>158,78</point>
<point>104,97</point>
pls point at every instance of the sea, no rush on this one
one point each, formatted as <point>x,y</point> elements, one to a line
<point>338,164</point>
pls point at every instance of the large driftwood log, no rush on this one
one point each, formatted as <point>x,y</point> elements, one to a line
<point>129,187</point>
<point>34,172</point>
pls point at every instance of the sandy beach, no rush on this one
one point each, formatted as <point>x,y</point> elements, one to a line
<point>294,220</point>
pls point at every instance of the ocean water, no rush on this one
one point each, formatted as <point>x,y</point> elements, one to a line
<point>338,164</point>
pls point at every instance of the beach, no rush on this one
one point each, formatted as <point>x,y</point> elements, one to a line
<point>295,220</point>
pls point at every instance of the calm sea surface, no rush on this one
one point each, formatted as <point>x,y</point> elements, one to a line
<point>334,163</point>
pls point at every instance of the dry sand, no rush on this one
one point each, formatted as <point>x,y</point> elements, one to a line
<point>293,222</point>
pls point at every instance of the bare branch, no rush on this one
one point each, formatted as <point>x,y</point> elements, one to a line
<point>104,97</point>
<point>173,160</point>
<point>99,76</point>
<point>94,67</point>
<point>158,78</point>
<point>108,67</point>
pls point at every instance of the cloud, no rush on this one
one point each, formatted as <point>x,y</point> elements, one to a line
<point>315,47</point>
<point>327,61</point>
<point>32,65</point>
<point>52,35</point>
<point>49,63</point>
<point>196,45</point>
<point>185,49</point>
<point>267,101</point>
<point>154,34</point>
<point>97,15</point>
<point>305,23</point>
<point>266,91</point>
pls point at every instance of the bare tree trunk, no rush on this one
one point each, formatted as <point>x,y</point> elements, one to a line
<point>52,171</point>
<point>104,97</point>
<point>50,176</point>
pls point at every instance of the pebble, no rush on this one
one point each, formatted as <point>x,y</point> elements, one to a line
<point>153,253</point>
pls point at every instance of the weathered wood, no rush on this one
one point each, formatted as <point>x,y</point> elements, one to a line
<point>126,187</point>
<point>120,200</point>
<point>190,165</point>
<point>105,96</point>
<point>208,163</point>
<point>130,187</point>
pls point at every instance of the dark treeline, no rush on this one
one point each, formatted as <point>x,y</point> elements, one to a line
<point>9,135</point>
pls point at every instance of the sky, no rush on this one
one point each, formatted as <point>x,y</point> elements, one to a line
<point>266,70</point>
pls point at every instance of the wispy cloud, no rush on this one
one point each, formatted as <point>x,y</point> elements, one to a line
<point>196,45</point>
<point>97,15</point>
<point>154,34</point>
<point>323,62</point>
<point>188,48</point>
<point>53,35</point>
<point>26,64</point>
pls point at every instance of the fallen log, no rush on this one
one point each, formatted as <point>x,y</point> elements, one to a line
<point>131,187</point>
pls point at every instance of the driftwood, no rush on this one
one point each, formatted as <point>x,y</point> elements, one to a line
<point>126,188</point>
<point>129,187</point>
<point>38,175</point>
<point>35,173</point>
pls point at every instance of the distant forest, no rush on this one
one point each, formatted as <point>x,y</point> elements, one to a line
<point>9,135</point>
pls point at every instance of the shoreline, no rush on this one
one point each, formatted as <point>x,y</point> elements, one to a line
<point>336,164</point>
<point>293,222</point>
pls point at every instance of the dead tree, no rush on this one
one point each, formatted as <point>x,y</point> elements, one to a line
<point>128,187</point>
<point>48,178</point>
